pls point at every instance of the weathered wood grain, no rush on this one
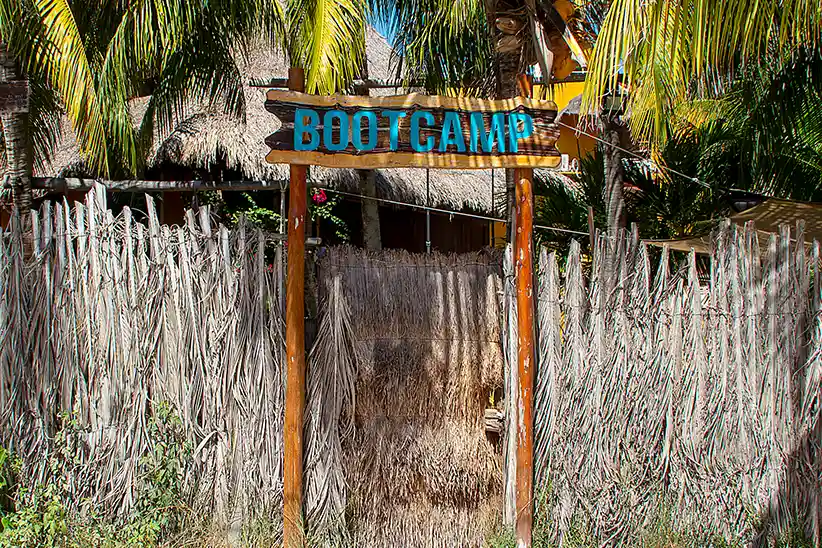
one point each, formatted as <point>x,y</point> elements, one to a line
<point>537,150</point>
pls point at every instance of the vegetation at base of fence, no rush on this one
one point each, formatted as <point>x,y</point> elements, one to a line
<point>41,513</point>
<point>660,532</point>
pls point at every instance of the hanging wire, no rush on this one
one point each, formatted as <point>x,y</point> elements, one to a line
<point>632,154</point>
<point>447,211</point>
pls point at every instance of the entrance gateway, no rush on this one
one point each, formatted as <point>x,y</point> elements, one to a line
<point>409,131</point>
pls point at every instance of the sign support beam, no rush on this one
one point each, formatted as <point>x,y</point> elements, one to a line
<point>295,387</point>
<point>524,277</point>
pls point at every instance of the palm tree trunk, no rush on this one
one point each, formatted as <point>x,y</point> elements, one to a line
<point>506,88</point>
<point>18,146</point>
<point>614,175</point>
<point>370,210</point>
<point>369,207</point>
<point>612,194</point>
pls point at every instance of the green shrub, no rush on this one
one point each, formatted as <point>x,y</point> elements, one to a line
<point>37,515</point>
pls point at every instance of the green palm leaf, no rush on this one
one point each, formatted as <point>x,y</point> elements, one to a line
<point>328,41</point>
<point>667,50</point>
<point>63,59</point>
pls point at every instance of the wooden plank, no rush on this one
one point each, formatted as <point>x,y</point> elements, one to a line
<point>524,272</point>
<point>14,97</point>
<point>63,184</point>
<point>411,100</point>
<point>413,131</point>
<point>295,350</point>
<point>408,159</point>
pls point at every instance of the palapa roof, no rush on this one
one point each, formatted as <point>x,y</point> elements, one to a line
<point>205,134</point>
<point>767,219</point>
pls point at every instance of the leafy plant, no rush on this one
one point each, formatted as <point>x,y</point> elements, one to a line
<point>39,515</point>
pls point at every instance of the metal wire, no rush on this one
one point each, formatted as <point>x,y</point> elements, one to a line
<point>447,211</point>
<point>633,154</point>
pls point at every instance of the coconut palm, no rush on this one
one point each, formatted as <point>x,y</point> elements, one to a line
<point>670,51</point>
<point>478,46</point>
<point>91,58</point>
<point>327,39</point>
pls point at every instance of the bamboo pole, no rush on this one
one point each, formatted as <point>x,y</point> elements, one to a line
<point>295,348</point>
<point>524,275</point>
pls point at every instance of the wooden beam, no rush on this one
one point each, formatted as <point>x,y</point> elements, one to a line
<point>295,349</point>
<point>64,184</point>
<point>524,276</point>
<point>389,160</point>
<point>376,83</point>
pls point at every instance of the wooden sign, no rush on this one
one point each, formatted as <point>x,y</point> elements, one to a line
<point>14,97</point>
<point>412,131</point>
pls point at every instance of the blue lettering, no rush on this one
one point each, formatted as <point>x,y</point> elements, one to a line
<point>452,132</point>
<point>415,131</point>
<point>372,130</point>
<point>393,127</point>
<point>328,128</point>
<point>496,135</point>
<point>515,132</point>
<point>301,128</point>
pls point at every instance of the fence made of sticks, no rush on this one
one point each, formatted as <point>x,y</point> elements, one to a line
<point>687,397</point>
<point>683,392</point>
<point>102,319</point>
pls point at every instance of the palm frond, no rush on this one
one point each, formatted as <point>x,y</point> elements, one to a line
<point>62,57</point>
<point>328,41</point>
<point>665,50</point>
<point>447,45</point>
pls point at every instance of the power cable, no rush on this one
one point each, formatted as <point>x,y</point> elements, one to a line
<point>446,211</point>
<point>633,154</point>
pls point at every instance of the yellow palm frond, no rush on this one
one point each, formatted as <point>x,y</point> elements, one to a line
<point>328,41</point>
<point>659,49</point>
<point>64,60</point>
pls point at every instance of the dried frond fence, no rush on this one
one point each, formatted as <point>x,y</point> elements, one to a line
<point>663,400</point>
<point>407,356</point>
<point>659,396</point>
<point>104,318</point>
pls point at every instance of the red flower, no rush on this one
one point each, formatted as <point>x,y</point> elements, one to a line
<point>319,196</point>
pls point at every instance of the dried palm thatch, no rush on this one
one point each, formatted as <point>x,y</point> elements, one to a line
<point>700,402</point>
<point>419,470</point>
<point>106,317</point>
<point>204,135</point>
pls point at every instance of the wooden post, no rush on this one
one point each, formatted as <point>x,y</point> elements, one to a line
<point>295,348</point>
<point>524,273</point>
<point>592,235</point>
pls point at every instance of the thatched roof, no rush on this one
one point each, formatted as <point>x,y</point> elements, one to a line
<point>572,108</point>
<point>205,134</point>
<point>767,218</point>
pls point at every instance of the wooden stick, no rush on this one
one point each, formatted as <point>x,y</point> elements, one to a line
<point>524,273</point>
<point>295,349</point>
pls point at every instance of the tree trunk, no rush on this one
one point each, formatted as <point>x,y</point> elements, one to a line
<point>612,194</point>
<point>507,88</point>
<point>370,210</point>
<point>18,146</point>
<point>369,207</point>
<point>614,174</point>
